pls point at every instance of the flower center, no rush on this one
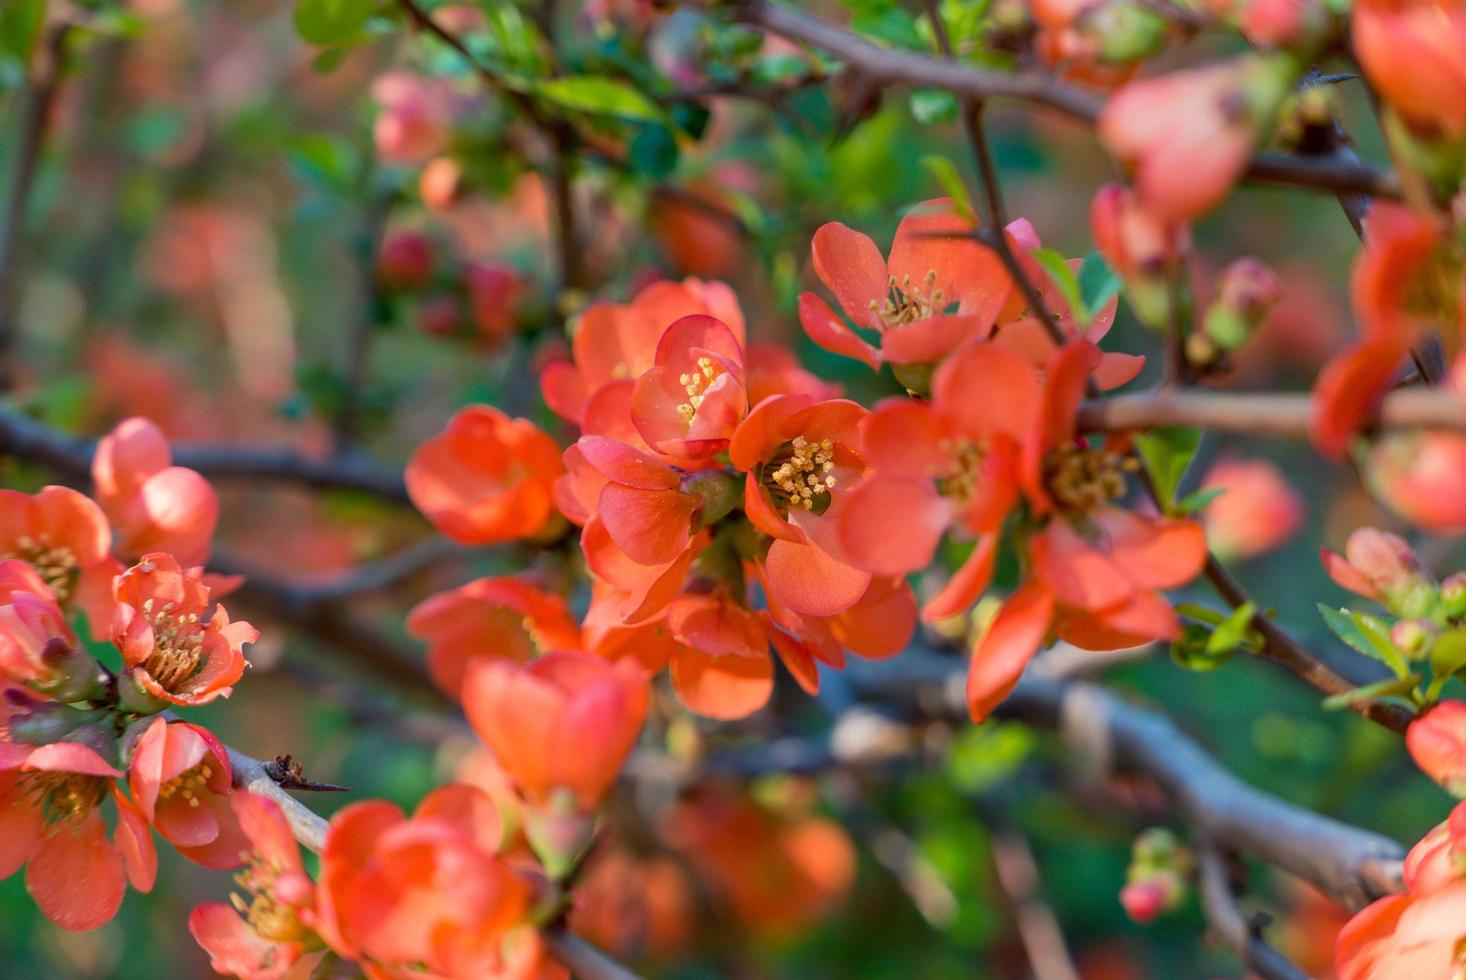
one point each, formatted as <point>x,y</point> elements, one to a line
<point>907,302</point>
<point>189,784</point>
<point>695,383</point>
<point>56,565</point>
<point>964,470</point>
<point>267,916</point>
<point>1433,291</point>
<point>178,643</point>
<point>1081,478</point>
<point>800,475</point>
<point>65,795</point>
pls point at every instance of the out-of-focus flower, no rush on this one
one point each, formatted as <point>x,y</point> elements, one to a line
<point>1246,291</point>
<point>37,647</point>
<point>689,402</point>
<point>634,908</point>
<point>266,932</point>
<point>698,230</point>
<point>415,122</point>
<point>1146,899</point>
<point>175,649</point>
<point>773,369</point>
<point>494,293</point>
<point>152,504</point>
<point>405,260</point>
<point>489,617</point>
<point>440,182</point>
<point>930,296</point>
<point>1273,23</point>
<point>1414,52</point>
<point>51,823</point>
<point>1406,281</point>
<point>64,536</point>
<point>801,457</point>
<point>486,478</point>
<point>1256,511</point>
<point>439,315</point>
<point>426,893</point>
<point>180,780</point>
<point>1437,743</point>
<point>1188,135</point>
<point>778,872</point>
<point>1141,247</point>
<point>564,722</point>
<point>1381,566</point>
<point>1418,476</point>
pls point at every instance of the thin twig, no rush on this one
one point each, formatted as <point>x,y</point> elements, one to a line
<point>1230,926</point>
<point>1038,927</point>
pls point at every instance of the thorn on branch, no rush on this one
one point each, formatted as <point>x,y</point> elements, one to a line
<point>289,774</point>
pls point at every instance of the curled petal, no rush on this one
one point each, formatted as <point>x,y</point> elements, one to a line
<point>1006,647</point>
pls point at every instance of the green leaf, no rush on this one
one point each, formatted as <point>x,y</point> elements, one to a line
<point>1098,284</point>
<point>933,106</point>
<point>20,25</point>
<point>1166,453</point>
<point>1389,687</point>
<point>1367,634</point>
<point>1193,502</point>
<point>951,182</point>
<point>1231,632</point>
<point>1063,277</point>
<point>1448,654</point>
<point>601,96</point>
<point>1192,651</point>
<point>328,22</point>
<point>1200,613</point>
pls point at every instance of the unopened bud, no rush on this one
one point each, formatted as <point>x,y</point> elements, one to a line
<point>915,378</point>
<point>720,491</point>
<point>1126,32</point>
<point>1413,637</point>
<point>1453,595</point>
<point>1247,290</point>
<point>1146,899</point>
<point>71,673</point>
<point>43,722</point>
<point>1391,566</point>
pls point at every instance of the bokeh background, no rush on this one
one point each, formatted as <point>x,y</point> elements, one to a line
<point>202,248</point>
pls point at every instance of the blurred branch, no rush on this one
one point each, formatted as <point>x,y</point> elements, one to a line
<point>886,65</point>
<point>1353,865</point>
<point>28,438</point>
<point>1226,920</point>
<point>35,112</point>
<point>1038,927</point>
<point>346,425</point>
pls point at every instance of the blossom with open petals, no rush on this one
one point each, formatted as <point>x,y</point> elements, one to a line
<point>801,457</point>
<point>928,297</point>
<point>152,504</point>
<point>180,780</point>
<point>1437,743</point>
<point>175,648</point>
<point>428,892</point>
<point>266,930</point>
<point>489,617</point>
<point>486,478</point>
<point>690,400</point>
<point>51,823</point>
<point>65,537</point>
<point>565,721</point>
<point>37,647</point>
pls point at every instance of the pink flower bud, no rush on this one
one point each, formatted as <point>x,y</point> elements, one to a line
<point>405,260</point>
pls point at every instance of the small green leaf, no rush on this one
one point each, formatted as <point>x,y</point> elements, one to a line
<point>1389,687</point>
<point>1231,632</point>
<point>1191,650</point>
<point>1098,284</point>
<point>329,22</point>
<point>1200,613</point>
<point>1062,275</point>
<point>1193,502</point>
<point>1366,634</point>
<point>1448,654</point>
<point>601,96</point>
<point>951,182</point>
<point>1166,453</point>
<point>933,106</point>
<point>20,25</point>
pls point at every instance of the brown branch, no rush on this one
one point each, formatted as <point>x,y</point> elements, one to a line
<point>1353,865</point>
<point>887,65</point>
<point>250,774</point>
<point>1230,926</point>
<point>35,115</point>
<point>27,438</point>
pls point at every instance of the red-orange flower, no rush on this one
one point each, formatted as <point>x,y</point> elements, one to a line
<point>1188,135</point>
<point>930,296</point>
<point>426,893</point>
<point>416,118</point>
<point>152,504</point>
<point>265,933</point>
<point>690,400</point>
<point>1418,476</point>
<point>489,617</point>
<point>486,478</point>
<point>1414,52</point>
<point>564,722</point>
<point>37,647</point>
<point>619,342</point>
<point>180,780</point>
<point>64,536</point>
<point>1256,512</point>
<point>175,649</point>
<point>951,462</point>
<point>51,823</point>
<point>634,907</point>
<point>1437,743</point>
